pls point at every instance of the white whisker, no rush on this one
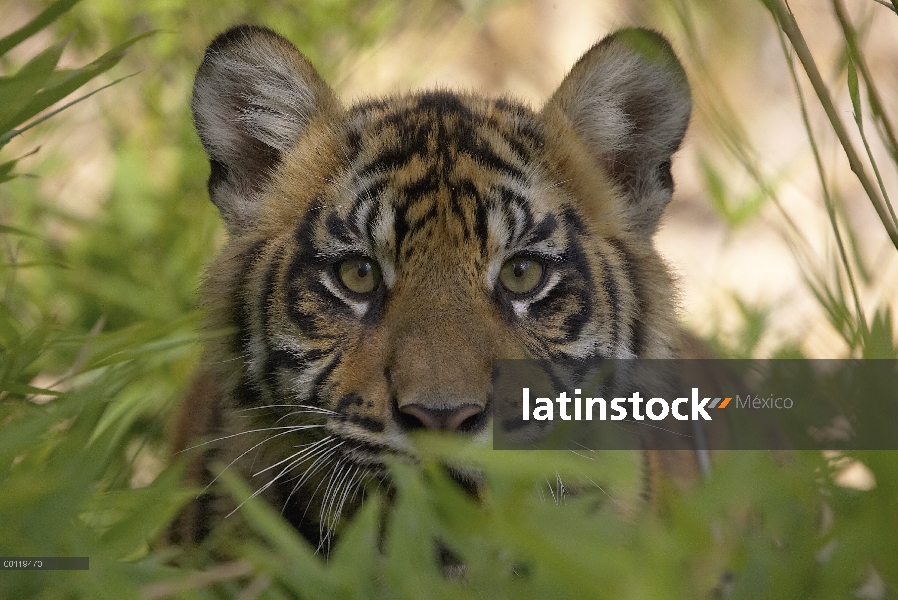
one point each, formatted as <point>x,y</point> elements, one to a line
<point>613,499</point>
<point>233,435</point>
<point>244,453</point>
<point>309,408</point>
<point>306,449</point>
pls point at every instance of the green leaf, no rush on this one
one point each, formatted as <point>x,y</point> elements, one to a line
<point>880,341</point>
<point>50,114</point>
<point>139,515</point>
<point>18,90</point>
<point>356,557</point>
<point>713,184</point>
<point>6,175</point>
<point>7,229</point>
<point>853,89</point>
<point>68,84</point>
<point>53,12</point>
<point>23,390</point>
<point>295,560</point>
<point>735,211</point>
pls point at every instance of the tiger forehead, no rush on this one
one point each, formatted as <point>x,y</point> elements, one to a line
<point>440,124</point>
<point>447,168</point>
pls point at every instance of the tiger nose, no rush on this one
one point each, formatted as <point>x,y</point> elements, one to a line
<point>462,418</point>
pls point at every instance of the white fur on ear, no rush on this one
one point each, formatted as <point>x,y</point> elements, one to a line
<point>253,98</point>
<point>628,99</point>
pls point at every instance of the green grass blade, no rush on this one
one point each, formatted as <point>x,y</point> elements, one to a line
<point>853,91</point>
<point>53,12</point>
<point>855,62</point>
<point>14,230</point>
<point>17,90</point>
<point>78,77</point>
<point>6,174</point>
<point>827,196</point>
<point>4,139</point>
<point>307,571</point>
<point>789,26</point>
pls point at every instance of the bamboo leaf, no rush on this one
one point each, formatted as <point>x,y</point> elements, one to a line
<point>853,89</point>
<point>15,132</point>
<point>6,174</point>
<point>306,571</point>
<point>9,230</point>
<point>24,390</point>
<point>53,12</point>
<point>789,27</point>
<point>76,78</point>
<point>17,90</point>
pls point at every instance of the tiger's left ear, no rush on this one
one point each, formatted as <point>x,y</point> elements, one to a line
<point>254,97</point>
<point>628,100</point>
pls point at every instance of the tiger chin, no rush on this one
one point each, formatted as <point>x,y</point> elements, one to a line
<point>381,256</point>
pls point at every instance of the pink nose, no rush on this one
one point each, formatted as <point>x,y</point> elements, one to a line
<point>461,418</point>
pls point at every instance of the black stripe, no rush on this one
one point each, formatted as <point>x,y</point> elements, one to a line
<point>272,357</point>
<point>443,102</point>
<point>553,305</point>
<point>609,284</point>
<point>324,375</point>
<point>576,258</point>
<point>481,216</point>
<point>353,145</point>
<point>411,140</point>
<point>525,155</point>
<point>410,228</point>
<point>391,159</point>
<point>512,198</point>
<point>463,193</point>
<point>371,105</point>
<point>280,359</point>
<point>367,423</point>
<point>245,393</point>
<point>483,154</point>
<point>519,129</point>
<point>338,228</point>
<point>428,184</point>
<point>352,219</point>
<point>240,314</point>
<point>357,118</point>
<point>634,279</point>
<point>405,226</point>
<point>348,400</point>
<point>372,191</point>
<point>543,230</point>
<point>303,266</point>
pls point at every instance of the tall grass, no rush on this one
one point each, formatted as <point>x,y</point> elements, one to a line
<point>97,338</point>
<point>868,337</point>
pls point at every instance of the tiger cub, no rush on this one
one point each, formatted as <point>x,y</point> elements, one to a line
<point>381,256</point>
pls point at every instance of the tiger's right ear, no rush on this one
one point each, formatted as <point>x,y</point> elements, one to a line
<point>628,100</point>
<point>253,98</point>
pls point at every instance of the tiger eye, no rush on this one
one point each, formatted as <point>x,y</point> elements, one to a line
<point>360,275</point>
<point>520,275</point>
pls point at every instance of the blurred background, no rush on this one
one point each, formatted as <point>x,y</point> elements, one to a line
<point>781,248</point>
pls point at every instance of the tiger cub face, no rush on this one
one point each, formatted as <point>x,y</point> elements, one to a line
<point>381,256</point>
